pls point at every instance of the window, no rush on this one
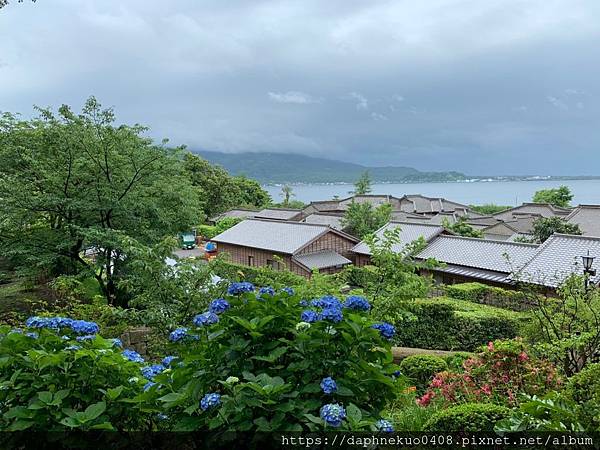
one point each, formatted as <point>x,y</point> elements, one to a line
<point>250,260</point>
<point>273,264</point>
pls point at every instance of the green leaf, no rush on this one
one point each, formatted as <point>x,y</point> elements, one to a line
<point>314,419</point>
<point>172,397</point>
<point>95,410</point>
<point>71,422</point>
<point>353,413</point>
<point>113,393</point>
<point>344,391</point>
<point>103,426</point>
<point>20,425</point>
<point>45,396</point>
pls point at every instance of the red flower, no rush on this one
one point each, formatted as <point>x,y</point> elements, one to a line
<point>425,400</point>
<point>523,356</point>
<point>487,390</point>
<point>490,346</point>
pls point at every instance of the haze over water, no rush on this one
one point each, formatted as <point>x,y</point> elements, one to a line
<point>502,193</point>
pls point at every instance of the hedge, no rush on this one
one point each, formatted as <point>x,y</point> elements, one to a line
<point>489,295</point>
<point>261,276</point>
<point>584,389</point>
<point>470,417</point>
<point>421,369</point>
<point>447,324</point>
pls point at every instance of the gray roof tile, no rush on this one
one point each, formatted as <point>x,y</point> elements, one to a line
<point>277,213</point>
<point>498,256</point>
<point>322,259</point>
<point>588,219</point>
<point>541,209</point>
<point>409,232</point>
<point>325,219</point>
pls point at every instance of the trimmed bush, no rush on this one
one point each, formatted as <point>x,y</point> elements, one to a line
<point>455,362</point>
<point>470,417</point>
<point>584,388</point>
<point>421,369</point>
<point>257,275</point>
<point>489,295</point>
<point>447,324</point>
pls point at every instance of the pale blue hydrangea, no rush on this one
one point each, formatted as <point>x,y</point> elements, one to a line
<point>87,337</point>
<point>117,342</point>
<point>210,401</point>
<point>328,385</point>
<point>32,335</point>
<point>333,414</point>
<point>385,426</point>
<point>167,360</point>
<point>149,372</point>
<point>205,319</point>
<point>178,334</point>
<point>132,355</point>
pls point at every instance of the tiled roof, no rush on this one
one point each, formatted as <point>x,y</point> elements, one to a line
<point>420,204</point>
<point>559,257</point>
<point>542,209</point>
<point>497,256</point>
<point>588,219</point>
<point>325,219</point>
<point>480,274</point>
<point>278,236</point>
<point>403,216</point>
<point>277,213</point>
<point>321,260</point>
<point>409,232</point>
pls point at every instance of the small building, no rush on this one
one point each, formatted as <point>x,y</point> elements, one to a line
<point>331,220</point>
<point>301,247</point>
<point>420,204</point>
<point>520,226</point>
<point>466,259</point>
<point>588,219</point>
<point>409,232</point>
<point>237,213</point>
<point>279,214</point>
<point>536,209</point>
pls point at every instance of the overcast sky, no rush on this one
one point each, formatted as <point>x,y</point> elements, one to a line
<point>480,86</point>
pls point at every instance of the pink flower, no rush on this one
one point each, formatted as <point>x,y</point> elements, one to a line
<point>487,390</point>
<point>425,400</point>
<point>523,356</point>
<point>490,346</point>
<point>437,382</point>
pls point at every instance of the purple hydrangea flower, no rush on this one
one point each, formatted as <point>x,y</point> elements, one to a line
<point>327,301</point>
<point>84,327</point>
<point>267,290</point>
<point>149,372</point>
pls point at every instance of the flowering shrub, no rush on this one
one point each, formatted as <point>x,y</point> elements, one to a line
<point>58,377</point>
<point>273,361</point>
<point>498,375</point>
<point>421,369</point>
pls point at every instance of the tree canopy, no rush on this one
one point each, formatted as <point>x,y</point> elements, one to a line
<point>462,228</point>
<point>363,184</point>
<point>361,219</point>
<point>560,196</point>
<point>544,227</point>
<point>76,184</point>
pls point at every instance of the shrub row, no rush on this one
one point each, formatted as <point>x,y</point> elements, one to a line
<point>448,324</point>
<point>489,295</point>
<point>470,417</point>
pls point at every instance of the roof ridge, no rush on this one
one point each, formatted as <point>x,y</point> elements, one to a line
<point>413,223</point>
<point>280,209</point>
<point>494,241</point>
<point>576,236</point>
<point>291,222</point>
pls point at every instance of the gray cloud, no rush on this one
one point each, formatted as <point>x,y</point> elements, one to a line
<point>501,86</point>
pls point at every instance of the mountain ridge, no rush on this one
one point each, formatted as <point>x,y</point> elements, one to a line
<point>275,168</point>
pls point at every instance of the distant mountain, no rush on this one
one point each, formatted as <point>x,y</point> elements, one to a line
<point>292,168</point>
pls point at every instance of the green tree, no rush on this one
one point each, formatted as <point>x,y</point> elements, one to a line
<point>72,184</point>
<point>544,227</point>
<point>287,193</point>
<point>219,191</point>
<point>361,219</point>
<point>362,185</point>
<point>488,208</point>
<point>462,228</point>
<point>560,196</point>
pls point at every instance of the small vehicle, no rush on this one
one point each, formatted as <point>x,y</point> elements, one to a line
<point>188,240</point>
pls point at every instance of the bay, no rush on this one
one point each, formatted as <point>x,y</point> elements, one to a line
<point>508,193</point>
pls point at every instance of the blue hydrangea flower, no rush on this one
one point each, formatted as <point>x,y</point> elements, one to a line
<point>87,337</point>
<point>240,288</point>
<point>205,319</point>
<point>385,426</point>
<point>303,303</point>
<point>132,355</point>
<point>267,290</point>
<point>61,322</point>
<point>167,360</point>
<point>149,372</point>
<point>357,303</point>
<point>178,334</point>
<point>148,385</point>
<point>117,342</point>
<point>385,329</point>
<point>219,306</point>
<point>73,347</point>
<point>396,374</point>
<point>84,327</point>
<point>309,316</point>
<point>53,323</point>
<point>32,335</point>
<point>15,331</point>
<point>332,315</point>
<point>288,290</point>
<point>333,414</point>
<point>327,301</point>
<point>328,385</point>
<point>162,416</point>
<point>210,401</point>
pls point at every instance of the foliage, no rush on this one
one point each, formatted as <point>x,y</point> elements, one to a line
<point>462,228</point>
<point>584,389</point>
<point>362,218</point>
<point>567,327</point>
<point>73,183</point>
<point>446,324</point>
<point>403,411</point>
<point>218,191</point>
<point>470,417</point>
<point>488,208</point>
<point>421,369</point>
<point>552,412</point>
<point>262,368</point>
<point>292,204</point>
<point>456,361</point>
<point>262,276</point>
<point>53,381</point>
<point>544,227</point>
<point>517,300</point>
<point>498,374</point>
<point>210,231</point>
<point>287,193</point>
<point>560,196</point>
<point>362,185</point>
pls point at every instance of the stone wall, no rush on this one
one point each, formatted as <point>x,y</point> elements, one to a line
<point>137,339</point>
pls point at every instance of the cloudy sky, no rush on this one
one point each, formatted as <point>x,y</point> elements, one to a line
<point>483,87</point>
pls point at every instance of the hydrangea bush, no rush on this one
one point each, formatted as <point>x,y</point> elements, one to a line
<point>265,359</point>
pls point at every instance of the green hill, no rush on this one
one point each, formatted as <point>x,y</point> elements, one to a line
<point>292,168</point>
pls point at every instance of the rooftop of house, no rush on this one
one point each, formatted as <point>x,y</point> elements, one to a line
<point>559,257</point>
<point>278,213</point>
<point>275,235</point>
<point>542,209</point>
<point>588,219</point>
<point>235,213</point>
<point>496,256</point>
<point>409,232</point>
<point>334,221</point>
<point>321,259</point>
<point>421,204</point>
